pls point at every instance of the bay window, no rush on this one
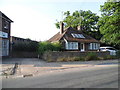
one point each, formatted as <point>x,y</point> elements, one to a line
<point>71,45</point>
<point>94,46</point>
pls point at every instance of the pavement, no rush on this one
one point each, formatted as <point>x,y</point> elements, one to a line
<point>100,76</point>
<point>34,67</point>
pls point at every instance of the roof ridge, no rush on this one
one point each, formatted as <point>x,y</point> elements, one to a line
<point>67,31</point>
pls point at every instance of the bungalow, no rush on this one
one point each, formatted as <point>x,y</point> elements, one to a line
<point>75,40</point>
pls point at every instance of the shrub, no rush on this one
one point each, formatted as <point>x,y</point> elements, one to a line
<point>110,57</point>
<point>56,46</point>
<point>42,47</point>
<point>46,46</point>
<point>91,56</point>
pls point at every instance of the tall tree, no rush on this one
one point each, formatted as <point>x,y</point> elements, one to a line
<point>110,23</point>
<point>85,19</point>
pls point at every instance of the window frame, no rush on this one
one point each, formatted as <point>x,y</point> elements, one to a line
<point>94,46</point>
<point>71,45</point>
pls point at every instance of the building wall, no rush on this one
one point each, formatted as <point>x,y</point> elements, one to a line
<point>5,25</point>
<point>0,37</point>
<point>17,40</point>
<point>0,21</point>
<point>86,47</point>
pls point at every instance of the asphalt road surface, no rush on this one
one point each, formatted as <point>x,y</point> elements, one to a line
<point>100,76</point>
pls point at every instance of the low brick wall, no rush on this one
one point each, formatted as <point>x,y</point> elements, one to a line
<point>23,54</point>
<point>55,55</point>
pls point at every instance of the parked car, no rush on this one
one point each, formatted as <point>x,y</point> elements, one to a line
<point>110,49</point>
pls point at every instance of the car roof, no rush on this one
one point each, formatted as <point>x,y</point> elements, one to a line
<point>106,47</point>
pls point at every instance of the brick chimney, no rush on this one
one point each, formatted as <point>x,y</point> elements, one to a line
<point>61,27</point>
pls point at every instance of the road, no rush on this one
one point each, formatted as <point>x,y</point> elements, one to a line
<point>100,76</point>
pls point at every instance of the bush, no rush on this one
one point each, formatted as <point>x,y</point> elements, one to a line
<point>46,46</point>
<point>91,56</point>
<point>109,57</point>
<point>56,46</point>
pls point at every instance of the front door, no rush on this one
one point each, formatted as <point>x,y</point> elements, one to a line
<point>82,48</point>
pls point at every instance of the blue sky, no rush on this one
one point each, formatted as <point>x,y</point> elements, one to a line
<point>35,19</point>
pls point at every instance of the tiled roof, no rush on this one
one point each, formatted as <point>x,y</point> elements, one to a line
<point>67,35</point>
<point>57,36</point>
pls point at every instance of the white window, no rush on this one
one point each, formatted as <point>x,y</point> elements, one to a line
<point>77,35</point>
<point>94,46</point>
<point>71,45</point>
<point>90,46</point>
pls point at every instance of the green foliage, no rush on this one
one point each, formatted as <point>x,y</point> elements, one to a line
<point>108,57</point>
<point>110,23</point>
<point>57,46</point>
<point>32,46</point>
<point>91,56</point>
<point>47,46</point>
<point>86,19</point>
